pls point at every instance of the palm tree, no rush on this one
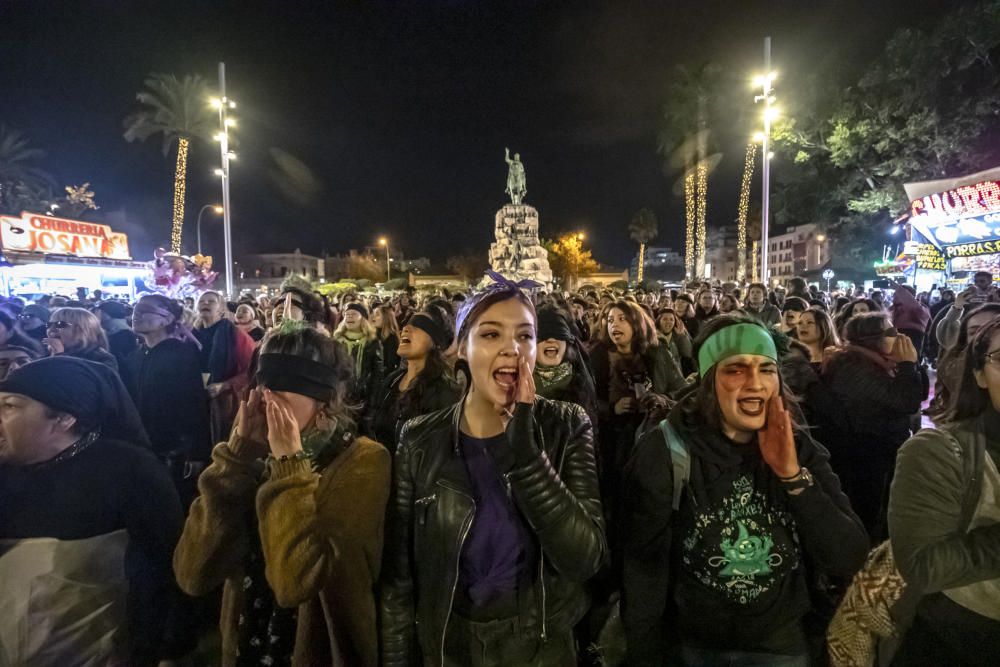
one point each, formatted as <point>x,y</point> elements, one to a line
<point>685,140</point>
<point>178,109</point>
<point>22,183</point>
<point>642,229</point>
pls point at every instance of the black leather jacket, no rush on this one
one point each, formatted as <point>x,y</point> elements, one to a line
<point>550,469</point>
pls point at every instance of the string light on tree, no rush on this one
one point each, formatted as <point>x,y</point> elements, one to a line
<point>689,183</point>
<point>742,211</point>
<point>180,188</point>
<point>702,211</point>
<point>754,253</point>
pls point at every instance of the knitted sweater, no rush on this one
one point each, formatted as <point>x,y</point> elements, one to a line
<point>321,533</point>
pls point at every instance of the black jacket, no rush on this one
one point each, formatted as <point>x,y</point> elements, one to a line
<point>96,354</point>
<point>728,569</point>
<point>393,408</point>
<point>551,474</point>
<point>165,383</point>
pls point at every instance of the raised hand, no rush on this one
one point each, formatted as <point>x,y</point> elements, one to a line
<point>777,442</point>
<point>282,431</point>
<point>525,392</point>
<point>904,349</point>
<point>251,423</point>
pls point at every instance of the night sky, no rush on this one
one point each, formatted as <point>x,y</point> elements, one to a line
<point>367,118</point>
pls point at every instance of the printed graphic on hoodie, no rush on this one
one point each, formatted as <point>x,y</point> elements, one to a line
<point>741,546</point>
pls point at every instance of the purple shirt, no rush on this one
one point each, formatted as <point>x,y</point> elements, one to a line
<point>495,552</point>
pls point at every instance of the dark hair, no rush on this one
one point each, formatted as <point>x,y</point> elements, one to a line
<point>761,286</point>
<point>847,312</point>
<point>643,327</point>
<point>969,399</point>
<point>795,303</point>
<point>301,340</point>
<point>983,273</point>
<point>707,400</point>
<point>865,329</point>
<point>389,325</point>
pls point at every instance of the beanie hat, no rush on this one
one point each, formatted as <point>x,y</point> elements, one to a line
<point>87,390</point>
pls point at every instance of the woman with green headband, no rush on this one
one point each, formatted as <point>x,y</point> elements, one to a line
<point>724,505</point>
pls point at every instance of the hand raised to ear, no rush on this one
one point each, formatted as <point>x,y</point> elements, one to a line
<point>777,442</point>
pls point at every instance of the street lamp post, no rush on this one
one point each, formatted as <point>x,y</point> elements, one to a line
<point>767,98</point>
<point>224,104</point>
<point>214,207</point>
<point>828,274</point>
<point>385,242</point>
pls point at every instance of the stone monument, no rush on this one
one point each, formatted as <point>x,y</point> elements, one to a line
<point>517,253</point>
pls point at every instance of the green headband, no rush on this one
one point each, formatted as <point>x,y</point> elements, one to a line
<point>737,339</point>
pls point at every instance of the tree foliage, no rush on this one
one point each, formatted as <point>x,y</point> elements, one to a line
<point>568,259</point>
<point>24,184</point>
<point>643,227</point>
<point>173,107</point>
<point>924,109</point>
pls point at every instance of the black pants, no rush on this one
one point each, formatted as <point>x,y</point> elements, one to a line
<point>947,634</point>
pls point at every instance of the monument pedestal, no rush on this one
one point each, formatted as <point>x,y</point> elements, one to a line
<point>517,253</point>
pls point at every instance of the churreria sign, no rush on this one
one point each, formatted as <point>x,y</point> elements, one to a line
<point>963,221</point>
<point>33,232</point>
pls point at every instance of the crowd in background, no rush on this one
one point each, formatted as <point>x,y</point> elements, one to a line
<point>711,474</point>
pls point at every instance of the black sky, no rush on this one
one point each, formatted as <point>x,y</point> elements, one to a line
<point>394,115</point>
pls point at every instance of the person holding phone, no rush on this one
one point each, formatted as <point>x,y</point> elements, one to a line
<point>715,562</point>
<point>876,379</point>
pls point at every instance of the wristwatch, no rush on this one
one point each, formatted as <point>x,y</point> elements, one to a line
<point>803,479</point>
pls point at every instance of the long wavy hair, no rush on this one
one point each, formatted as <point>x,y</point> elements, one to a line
<point>643,329</point>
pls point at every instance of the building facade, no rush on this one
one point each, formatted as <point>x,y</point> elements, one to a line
<point>721,257</point>
<point>263,273</point>
<point>662,263</point>
<point>798,250</point>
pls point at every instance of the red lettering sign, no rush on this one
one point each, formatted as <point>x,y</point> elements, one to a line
<point>41,233</point>
<point>962,202</point>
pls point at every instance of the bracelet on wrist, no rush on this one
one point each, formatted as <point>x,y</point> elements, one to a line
<point>798,473</point>
<point>297,456</point>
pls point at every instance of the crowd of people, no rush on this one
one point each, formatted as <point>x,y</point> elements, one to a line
<point>713,474</point>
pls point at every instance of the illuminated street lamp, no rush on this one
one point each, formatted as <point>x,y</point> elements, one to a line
<point>385,242</point>
<point>828,275</point>
<point>218,211</point>
<point>223,104</point>
<point>770,114</point>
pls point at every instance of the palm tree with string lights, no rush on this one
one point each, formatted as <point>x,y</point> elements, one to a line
<point>642,229</point>
<point>23,184</point>
<point>177,109</point>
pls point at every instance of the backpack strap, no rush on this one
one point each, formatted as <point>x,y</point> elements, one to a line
<point>680,460</point>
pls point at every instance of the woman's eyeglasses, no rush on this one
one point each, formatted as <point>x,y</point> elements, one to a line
<point>993,357</point>
<point>59,325</point>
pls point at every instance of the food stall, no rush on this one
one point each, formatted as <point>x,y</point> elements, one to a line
<point>954,228</point>
<point>43,254</point>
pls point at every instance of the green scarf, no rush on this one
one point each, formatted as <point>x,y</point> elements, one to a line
<point>322,447</point>
<point>355,342</point>
<point>550,380</point>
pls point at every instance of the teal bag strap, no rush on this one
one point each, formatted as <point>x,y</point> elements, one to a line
<point>680,461</point>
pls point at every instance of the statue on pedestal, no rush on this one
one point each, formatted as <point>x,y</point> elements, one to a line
<point>517,184</point>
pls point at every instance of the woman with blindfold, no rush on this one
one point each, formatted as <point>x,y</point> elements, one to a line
<point>496,521</point>
<point>290,515</point>
<point>724,507</point>
<point>424,384</point>
<point>164,379</point>
<point>876,379</point>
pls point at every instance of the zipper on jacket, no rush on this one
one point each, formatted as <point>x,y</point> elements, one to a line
<point>423,504</point>
<point>466,527</point>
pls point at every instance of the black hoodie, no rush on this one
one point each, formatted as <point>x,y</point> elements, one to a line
<point>728,570</point>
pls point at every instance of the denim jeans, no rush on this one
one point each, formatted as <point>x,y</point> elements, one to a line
<point>703,657</point>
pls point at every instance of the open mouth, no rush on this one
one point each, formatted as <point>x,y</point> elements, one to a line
<point>506,377</point>
<point>405,340</point>
<point>616,334</point>
<point>552,351</point>
<point>751,407</point>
